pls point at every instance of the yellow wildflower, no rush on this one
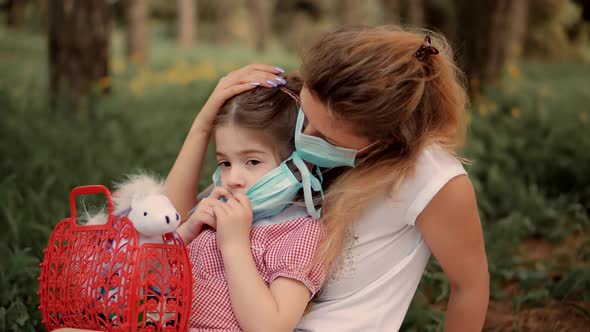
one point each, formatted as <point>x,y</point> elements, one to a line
<point>118,65</point>
<point>513,71</point>
<point>483,109</point>
<point>137,87</point>
<point>515,112</point>
<point>104,83</point>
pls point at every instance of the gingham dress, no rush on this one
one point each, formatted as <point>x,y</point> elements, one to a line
<point>280,250</point>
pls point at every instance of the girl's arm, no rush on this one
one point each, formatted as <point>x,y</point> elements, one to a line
<point>256,306</point>
<point>450,226</point>
<point>183,180</point>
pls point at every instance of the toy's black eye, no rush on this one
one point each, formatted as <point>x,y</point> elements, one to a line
<point>177,216</point>
<point>145,213</point>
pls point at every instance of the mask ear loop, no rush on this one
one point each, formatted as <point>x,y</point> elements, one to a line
<point>309,182</point>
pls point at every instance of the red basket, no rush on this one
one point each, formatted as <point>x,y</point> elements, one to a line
<point>98,277</point>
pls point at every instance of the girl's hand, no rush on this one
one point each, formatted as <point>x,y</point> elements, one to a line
<point>234,221</point>
<point>203,215</point>
<point>234,83</point>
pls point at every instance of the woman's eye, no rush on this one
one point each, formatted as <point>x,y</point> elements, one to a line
<point>253,162</point>
<point>224,164</point>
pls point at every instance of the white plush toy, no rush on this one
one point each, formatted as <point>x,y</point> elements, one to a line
<point>141,198</point>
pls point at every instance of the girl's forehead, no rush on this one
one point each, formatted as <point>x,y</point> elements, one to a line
<point>232,138</point>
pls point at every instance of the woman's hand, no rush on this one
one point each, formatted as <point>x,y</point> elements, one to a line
<point>234,221</point>
<point>234,83</point>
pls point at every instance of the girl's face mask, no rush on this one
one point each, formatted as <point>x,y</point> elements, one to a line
<point>276,190</point>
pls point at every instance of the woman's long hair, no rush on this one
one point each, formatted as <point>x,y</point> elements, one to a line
<point>403,101</point>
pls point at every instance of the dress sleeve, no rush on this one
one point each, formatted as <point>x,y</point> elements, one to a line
<point>291,255</point>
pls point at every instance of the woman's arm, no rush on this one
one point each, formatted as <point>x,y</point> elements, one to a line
<point>183,180</point>
<point>450,226</point>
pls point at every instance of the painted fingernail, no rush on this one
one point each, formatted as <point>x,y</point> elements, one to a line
<point>273,83</point>
<point>255,83</point>
<point>281,80</point>
<point>279,69</point>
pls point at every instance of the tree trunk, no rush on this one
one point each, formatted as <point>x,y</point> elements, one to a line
<point>520,17</point>
<point>259,20</point>
<point>485,37</point>
<point>441,16</point>
<point>137,30</point>
<point>391,11</point>
<point>350,12</point>
<point>413,12</point>
<point>16,13</point>
<point>187,13</point>
<point>78,49</point>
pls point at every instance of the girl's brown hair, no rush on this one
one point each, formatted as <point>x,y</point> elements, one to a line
<point>269,111</point>
<point>372,77</point>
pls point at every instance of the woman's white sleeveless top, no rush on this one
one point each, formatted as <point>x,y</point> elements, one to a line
<point>386,256</point>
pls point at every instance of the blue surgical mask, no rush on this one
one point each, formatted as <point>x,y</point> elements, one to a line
<point>276,190</point>
<point>319,152</point>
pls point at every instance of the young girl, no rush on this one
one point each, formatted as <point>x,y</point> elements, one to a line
<point>252,266</point>
<point>251,250</point>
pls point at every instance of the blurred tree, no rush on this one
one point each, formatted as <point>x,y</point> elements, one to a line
<point>137,30</point>
<point>78,49</point>
<point>259,17</point>
<point>349,12</point>
<point>187,25</point>
<point>16,12</point>
<point>413,12</point>
<point>441,16</point>
<point>215,20</point>
<point>553,29</point>
<point>391,11</point>
<point>296,20</point>
<point>484,38</point>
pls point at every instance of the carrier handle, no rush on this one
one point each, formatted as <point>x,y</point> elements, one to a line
<point>90,190</point>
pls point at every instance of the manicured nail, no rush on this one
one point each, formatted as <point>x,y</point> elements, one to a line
<point>281,80</point>
<point>279,69</point>
<point>255,83</point>
<point>273,83</point>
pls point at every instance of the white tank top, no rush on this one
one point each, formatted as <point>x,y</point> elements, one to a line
<point>386,256</point>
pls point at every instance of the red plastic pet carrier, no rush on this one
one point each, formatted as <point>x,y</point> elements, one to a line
<point>98,277</point>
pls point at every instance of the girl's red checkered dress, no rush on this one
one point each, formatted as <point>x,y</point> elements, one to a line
<point>279,250</point>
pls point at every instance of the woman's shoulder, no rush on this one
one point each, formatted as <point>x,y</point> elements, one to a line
<point>436,161</point>
<point>435,167</point>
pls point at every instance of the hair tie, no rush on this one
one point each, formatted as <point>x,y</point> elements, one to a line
<point>426,49</point>
<point>291,94</point>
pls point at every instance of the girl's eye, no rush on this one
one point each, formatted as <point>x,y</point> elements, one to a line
<point>253,162</point>
<point>224,164</point>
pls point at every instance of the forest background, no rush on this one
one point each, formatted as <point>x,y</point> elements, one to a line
<point>93,90</point>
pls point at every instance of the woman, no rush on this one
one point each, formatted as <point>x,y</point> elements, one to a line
<point>395,101</point>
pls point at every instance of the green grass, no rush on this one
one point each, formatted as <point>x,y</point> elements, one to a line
<point>530,153</point>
